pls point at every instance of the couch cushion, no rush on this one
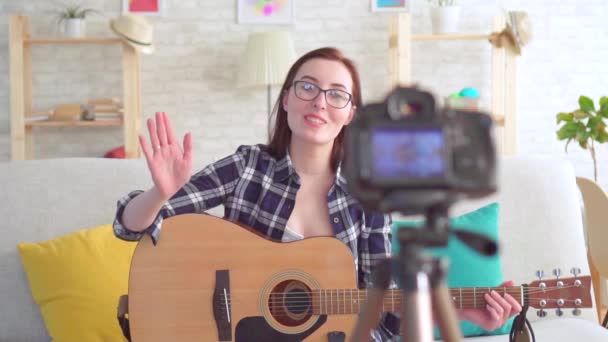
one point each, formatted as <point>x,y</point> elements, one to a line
<point>76,280</point>
<point>467,267</point>
<point>44,199</point>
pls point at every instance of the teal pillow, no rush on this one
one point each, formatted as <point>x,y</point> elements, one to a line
<point>467,268</point>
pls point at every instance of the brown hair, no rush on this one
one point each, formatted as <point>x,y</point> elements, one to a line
<point>280,134</point>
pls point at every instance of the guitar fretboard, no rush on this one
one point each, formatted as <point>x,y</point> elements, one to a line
<point>347,301</point>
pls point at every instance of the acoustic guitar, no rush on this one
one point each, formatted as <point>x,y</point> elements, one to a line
<point>209,279</point>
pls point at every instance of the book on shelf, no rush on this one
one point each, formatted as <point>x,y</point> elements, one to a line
<point>38,116</point>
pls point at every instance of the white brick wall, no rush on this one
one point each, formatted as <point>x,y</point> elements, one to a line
<point>199,45</point>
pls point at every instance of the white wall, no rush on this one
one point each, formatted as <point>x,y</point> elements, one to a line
<point>199,44</point>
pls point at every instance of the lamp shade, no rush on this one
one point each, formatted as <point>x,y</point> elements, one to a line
<point>267,60</point>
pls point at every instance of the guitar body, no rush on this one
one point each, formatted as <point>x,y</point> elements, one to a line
<point>208,279</point>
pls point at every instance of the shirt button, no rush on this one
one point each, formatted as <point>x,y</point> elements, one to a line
<point>336,220</point>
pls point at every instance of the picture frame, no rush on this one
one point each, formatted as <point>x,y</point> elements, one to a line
<point>144,7</point>
<point>266,12</point>
<point>391,5</point>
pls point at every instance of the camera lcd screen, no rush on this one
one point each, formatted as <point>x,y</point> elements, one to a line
<point>407,153</point>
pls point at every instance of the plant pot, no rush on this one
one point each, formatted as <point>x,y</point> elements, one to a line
<point>445,19</point>
<point>73,28</point>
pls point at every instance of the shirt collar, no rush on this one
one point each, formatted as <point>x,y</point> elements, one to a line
<point>284,168</point>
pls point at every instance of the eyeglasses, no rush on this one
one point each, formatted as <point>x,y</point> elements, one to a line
<point>334,97</point>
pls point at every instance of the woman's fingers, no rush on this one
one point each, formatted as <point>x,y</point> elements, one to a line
<point>188,147</point>
<point>505,307</point>
<point>153,134</point>
<point>515,306</point>
<point>160,129</point>
<point>145,148</point>
<point>168,129</point>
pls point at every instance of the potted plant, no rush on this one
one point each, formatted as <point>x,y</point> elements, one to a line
<point>445,16</point>
<point>585,125</point>
<point>71,20</point>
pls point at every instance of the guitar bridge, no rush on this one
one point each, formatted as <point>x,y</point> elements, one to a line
<point>221,305</point>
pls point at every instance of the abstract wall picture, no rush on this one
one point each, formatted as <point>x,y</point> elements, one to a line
<point>265,11</point>
<point>390,5</point>
<point>144,7</point>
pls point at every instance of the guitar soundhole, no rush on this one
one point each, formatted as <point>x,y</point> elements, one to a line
<point>290,303</point>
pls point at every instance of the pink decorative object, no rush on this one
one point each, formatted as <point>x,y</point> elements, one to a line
<point>265,11</point>
<point>268,9</point>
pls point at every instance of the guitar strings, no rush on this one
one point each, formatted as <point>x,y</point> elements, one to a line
<point>468,293</point>
<point>301,302</point>
<point>344,308</point>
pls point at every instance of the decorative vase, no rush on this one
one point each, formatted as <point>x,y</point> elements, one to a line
<point>445,19</point>
<point>73,28</point>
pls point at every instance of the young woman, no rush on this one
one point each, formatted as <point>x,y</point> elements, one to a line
<point>289,189</point>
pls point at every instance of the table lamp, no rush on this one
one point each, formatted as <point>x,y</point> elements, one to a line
<point>267,59</point>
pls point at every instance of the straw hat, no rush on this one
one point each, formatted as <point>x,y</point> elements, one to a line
<point>516,34</point>
<point>135,30</point>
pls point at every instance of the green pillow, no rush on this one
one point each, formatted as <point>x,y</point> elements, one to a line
<point>467,268</point>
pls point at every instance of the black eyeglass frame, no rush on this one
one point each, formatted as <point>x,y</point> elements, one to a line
<point>324,91</point>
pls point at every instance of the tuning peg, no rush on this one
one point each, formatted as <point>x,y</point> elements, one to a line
<point>575,271</point>
<point>541,313</point>
<point>576,312</point>
<point>557,272</point>
<point>540,274</point>
<point>559,312</point>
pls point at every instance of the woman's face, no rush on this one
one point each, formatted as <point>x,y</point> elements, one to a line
<point>315,121</point>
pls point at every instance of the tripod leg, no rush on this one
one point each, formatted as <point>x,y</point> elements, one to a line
<point>416,316</point>
<point>446,314</point>
<point>372,309</point>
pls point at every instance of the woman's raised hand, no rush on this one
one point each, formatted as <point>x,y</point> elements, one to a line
<point>170,166</point>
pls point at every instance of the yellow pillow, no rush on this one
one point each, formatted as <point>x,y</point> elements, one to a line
<point>76,280</point>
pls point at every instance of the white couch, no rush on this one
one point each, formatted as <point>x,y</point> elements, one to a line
<point>540,228</point>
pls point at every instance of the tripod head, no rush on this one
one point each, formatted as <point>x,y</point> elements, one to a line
<point>436,230</point>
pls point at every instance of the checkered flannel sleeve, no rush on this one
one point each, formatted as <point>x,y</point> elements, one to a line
<point>205,190</point>
<point>376,246</point>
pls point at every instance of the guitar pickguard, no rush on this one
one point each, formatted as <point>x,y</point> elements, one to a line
<point>256,329</point>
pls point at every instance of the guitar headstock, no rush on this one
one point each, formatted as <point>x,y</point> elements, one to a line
<point>560,293</point>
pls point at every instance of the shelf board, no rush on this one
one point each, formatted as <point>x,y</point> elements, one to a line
<point>75,123</point>
<point>459,36</point>
<point>85,40</point>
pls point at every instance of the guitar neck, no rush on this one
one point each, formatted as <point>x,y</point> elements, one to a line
<point>347,301</point>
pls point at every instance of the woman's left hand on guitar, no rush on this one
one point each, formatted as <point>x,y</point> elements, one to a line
<point>497,312</point>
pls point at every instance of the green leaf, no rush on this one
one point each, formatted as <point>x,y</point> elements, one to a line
<point>586,104</point>
<point>566,117</point>
<point>579,114</point>
<point>602,137</point>
<point>583,144</point>
<point>569,130</point>
<point>603,106</point>
<point>582,135</point>
<point>597,131</point>
<point>594,122</point>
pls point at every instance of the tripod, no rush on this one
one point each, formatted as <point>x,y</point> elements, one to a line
<point>421,278</point>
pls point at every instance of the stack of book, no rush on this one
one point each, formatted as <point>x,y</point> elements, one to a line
<point>39,116</point>
<point>105,108</point>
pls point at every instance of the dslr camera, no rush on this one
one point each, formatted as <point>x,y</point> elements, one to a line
<point>405,155</point>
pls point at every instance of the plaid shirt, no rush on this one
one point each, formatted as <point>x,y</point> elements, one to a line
<point>259,191</point>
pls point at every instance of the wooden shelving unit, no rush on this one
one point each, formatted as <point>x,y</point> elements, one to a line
<point>20,45</point>
<point>503,73</point>
<point>75,123</point>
